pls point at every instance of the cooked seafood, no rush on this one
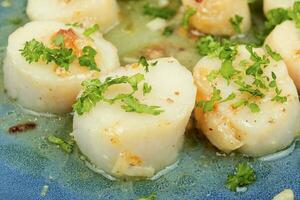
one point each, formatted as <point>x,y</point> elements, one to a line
<point>105,13</point>
<point>126,138</point>
<point>46,78</point>
<point>216,16</point>
<point>288,48</point>
<point>254,113</point>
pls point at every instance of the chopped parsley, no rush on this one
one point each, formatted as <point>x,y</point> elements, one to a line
<point>151,197</point>
<point>244,175</point>
<point>168,31</point>
<point>209,105</point>
<point>276,56</point>
<point>143,61</point>
<point>229,98</point>
<point>216,97</point>
<point>212,75</point>
<point>15,20</point>
<point>94,91</point>
<point>186,17</point>
<point>88,58</point>
<point>226,51</point>
<point>146,88</point>
<point>278,98</point>
<point>294,13</point>
<point>65,146</point>
<point>59,40</point>
<point>278,15</point>
<point>227,70</point>
<point>254,107</point>
<point>35,51</point>
<point>208,46</point>
<point>236,22</point>
<point>75,24</point>
<point>161,12</point>
<point>241,102</point>
<point>89,31</point>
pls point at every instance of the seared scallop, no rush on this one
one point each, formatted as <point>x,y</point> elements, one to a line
<point>105,13</point>
<point>285,39</point>
<point>273,4</point>
<point>214,16</point>
<point>41,84</point>
<point>249,106</point>
<point>141,135</point>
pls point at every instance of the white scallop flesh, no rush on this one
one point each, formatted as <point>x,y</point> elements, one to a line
<point>133,144</point>
<point>45,87</point>
<point>254,134</point>
<point>273,4</point>
<point>285,39</point>
<point>105,13</point>
<point>213,16</point>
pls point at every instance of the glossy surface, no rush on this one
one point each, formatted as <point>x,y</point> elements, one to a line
<point>28,162</point>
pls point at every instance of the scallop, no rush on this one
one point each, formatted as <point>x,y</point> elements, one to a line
<point>43,87</point>
<point>213,16</point>
<point>273,4</point>
<point>233,125</point>
<point>289,48</point>
<point>129,144</point>
<point>105,13</point>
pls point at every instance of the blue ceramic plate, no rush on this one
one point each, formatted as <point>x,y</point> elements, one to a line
<point>30,168</point>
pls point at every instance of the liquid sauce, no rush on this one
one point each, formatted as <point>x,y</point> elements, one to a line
<point>200,170</point>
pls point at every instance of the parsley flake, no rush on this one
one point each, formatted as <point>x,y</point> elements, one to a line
<point>276,56</point>
<point>146,88</point>
<point>94,91</point>
<point>244,175</point>
<point>186,17</point>
<point>143,61</point>
<point>65,146</point>
<point>88,58</point>
<point>89,31</point>
<point>151,197</point>
<point>161,12</point>
<point>236,22</point>
<point>35,51</point>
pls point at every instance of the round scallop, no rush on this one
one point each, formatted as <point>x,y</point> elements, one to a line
<point>285,39</point>
<point>273,4</point>
<point>228,128</point>
<point>133,144</point>
<point>105,13</point>
<point>45,87</point>
<point>213,16</point>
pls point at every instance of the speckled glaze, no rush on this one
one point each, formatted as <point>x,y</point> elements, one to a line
<point>28,162</point>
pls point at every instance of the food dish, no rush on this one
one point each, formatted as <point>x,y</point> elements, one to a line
<point>128,57</point>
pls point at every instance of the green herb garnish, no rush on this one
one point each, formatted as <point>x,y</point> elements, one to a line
<point>208,46</point>
<point>151,197</point>
<point>143,61</point>
<point>146,88</point>
<point>35,51</point>
<point>276,56</point>
<point>94,92</point>
<point>88,58</point>
<point>168,31</point>
<point>89,31</point>
<point>243,176</point>
<point>161,12</point>
<point>65,146</point>
<point>236,22</point>
<point>186,17</point>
